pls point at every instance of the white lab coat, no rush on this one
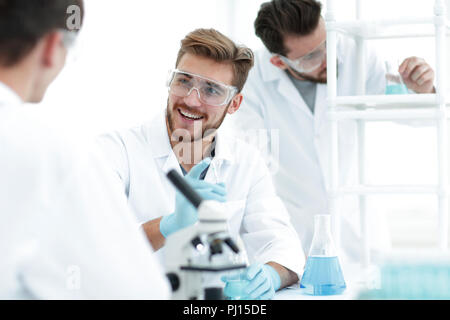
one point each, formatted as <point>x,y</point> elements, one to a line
<point>65,229</point>
<point>297,143</point>
<point>142,156</point>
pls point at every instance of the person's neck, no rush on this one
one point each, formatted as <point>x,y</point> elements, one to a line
<point>18,80</point>
<point>190,153</point>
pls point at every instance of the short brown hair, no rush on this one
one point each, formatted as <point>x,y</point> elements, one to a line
<point>23,23</point>
<point>279,18</point>
<point>210,43</point>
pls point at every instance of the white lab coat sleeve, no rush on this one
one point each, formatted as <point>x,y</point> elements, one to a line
<point>266,230</point>
<point>93,248</point>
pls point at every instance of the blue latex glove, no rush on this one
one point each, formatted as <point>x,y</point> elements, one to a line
<point>185,213</point>
<point>263,279</point>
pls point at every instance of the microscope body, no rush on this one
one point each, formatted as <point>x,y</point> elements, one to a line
<point>197,256</point>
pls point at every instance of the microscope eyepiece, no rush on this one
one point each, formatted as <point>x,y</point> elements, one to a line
<point>184,188</point>
<point>230,242</point>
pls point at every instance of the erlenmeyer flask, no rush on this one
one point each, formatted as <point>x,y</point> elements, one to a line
<point>394,81</point>
<point>237,280</point>
<point>323,274</point>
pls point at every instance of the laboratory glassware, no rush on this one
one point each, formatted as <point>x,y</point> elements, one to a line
<point>323,274</point>
<point>237,280</point>
<point>394,81</point>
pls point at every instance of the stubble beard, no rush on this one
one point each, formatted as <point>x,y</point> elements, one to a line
<point>321,78</point>
<point>183,135</point>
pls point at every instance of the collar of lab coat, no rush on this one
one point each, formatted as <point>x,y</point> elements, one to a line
<point>161,147</point>
<point>8,96</point>
<point>281,81</point>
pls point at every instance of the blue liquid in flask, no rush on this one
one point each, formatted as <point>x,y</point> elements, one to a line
<point>396,89</point>
<point>323,276</point>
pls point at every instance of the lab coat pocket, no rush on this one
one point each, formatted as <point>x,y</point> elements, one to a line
<point>235,211</point>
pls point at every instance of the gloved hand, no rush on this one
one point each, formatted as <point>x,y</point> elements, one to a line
<point>185,213</point>
<point>264,280</point>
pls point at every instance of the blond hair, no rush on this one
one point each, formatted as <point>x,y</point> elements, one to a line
<point>210,43</point>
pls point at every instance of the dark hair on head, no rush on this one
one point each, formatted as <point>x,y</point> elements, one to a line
<point>24,22</point>
<point>279,18</point>
<point>212,44</point>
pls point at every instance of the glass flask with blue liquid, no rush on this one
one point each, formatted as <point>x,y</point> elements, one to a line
<point>237,280</point>
<point>394,81</point>
<point>323,274</point>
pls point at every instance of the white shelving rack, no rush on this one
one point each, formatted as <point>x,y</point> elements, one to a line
<point>362,108</point>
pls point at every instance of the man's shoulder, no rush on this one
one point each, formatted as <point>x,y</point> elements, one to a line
<point>34,143</point>
<point>262,62</point>
<point>27,131</point>
<point>263,77</point>
<point>241,149</point>
<point>127,137</point>
<point>136,145</point>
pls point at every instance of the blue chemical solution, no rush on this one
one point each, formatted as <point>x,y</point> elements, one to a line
<point>323,276</point>
<point>234,289</point>
<point>396,89</point>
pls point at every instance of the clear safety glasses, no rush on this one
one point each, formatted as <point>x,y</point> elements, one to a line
<point>309,62</point>
<point>68,38</point>
<point>210,92</point>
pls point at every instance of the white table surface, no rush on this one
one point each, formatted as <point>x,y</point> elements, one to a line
<point>356,279</point>
<point>295,293</point>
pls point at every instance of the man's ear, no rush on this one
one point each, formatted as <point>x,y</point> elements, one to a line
<point>51,43</point>
<point>235,103</point>
<point>277,62</point>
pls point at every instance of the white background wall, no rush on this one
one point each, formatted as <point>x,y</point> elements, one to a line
<point>117,80</point>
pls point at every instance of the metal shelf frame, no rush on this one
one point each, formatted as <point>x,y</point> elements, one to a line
<point>362,108</point>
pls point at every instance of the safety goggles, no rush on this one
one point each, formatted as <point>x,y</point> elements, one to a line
<point>210,92</point>
<point>68,38</point>
<point>308,62</point>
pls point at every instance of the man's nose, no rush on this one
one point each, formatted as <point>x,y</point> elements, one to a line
<point>193,98</point>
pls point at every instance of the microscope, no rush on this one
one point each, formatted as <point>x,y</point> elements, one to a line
<point>197,256</point>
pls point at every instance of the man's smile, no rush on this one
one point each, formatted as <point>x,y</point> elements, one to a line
<point>189,115</point>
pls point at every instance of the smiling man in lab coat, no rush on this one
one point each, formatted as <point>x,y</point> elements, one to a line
<point>65,229</point>
<point>285,112</point>
<point>204,89</point>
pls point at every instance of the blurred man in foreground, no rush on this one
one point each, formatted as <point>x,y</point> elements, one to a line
<point>65,232</point>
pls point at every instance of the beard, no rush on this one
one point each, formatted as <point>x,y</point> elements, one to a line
<point>320,78</point>
<point>207,130</point>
